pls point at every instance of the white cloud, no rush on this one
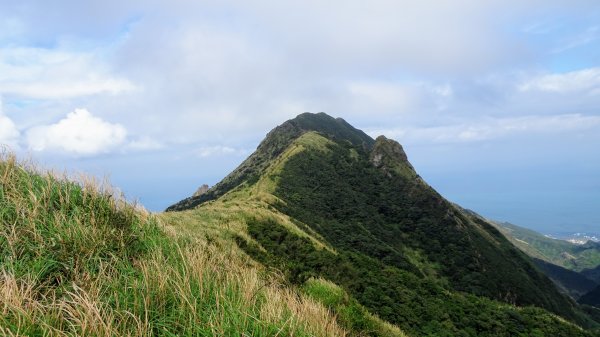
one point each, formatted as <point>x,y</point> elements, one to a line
<point>79,133</point>
<point>56,74</point>
<point>393,98</point>
<point>144,144</point>
<point>8,131</point>
<point>234,70</point>
<point>580,80</point>
<point>441,36</point>
<point>383,96</point>
<point>219,150</point>
<point>492,128</point>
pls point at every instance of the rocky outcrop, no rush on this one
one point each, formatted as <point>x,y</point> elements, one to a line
<point>201,190</point>
<point>389,156</point>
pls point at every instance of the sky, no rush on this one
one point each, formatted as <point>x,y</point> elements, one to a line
<point>497,103</point>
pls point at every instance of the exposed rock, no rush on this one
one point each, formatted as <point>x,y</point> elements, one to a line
<point>201,190</point>
<point>389,156</point>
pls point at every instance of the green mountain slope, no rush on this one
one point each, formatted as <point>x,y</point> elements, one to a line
<point>559,252</point>
<point>360,217</point>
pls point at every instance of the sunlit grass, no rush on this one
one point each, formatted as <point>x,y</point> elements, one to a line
<point>77,260</point>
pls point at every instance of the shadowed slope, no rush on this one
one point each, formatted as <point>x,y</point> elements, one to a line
<point>591,298</point>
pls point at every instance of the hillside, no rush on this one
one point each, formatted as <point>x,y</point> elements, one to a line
<point>559,252</point>
<point>351,210</point>
<point>551,255</point>
<point>592,298</point>
<point>570,282</point>
<point>77,260</point>
<point>592,274</point>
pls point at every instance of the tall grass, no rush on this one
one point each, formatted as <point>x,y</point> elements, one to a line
<point>225,220</point>
<point>77,260</point>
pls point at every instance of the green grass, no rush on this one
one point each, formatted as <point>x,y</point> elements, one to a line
<point>77,260</point>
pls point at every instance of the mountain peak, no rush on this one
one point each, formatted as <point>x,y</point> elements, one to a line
<point>276,141</point>
<point>323,123</point>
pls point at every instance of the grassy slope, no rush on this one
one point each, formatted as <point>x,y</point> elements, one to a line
<point>558,252</point>
<point>75,259</point>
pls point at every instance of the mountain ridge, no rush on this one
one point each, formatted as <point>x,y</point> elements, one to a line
<point>362,198</point>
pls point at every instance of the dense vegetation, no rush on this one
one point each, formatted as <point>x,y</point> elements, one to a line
<point>349,312</point>
<point>421,305</point>
<point>567,264</point>
<point>76,260</point>
<point>356,207</point>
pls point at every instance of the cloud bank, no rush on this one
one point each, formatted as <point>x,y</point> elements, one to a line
<point>41,73</point>
<point>494,128</point>
<point>79,133</point>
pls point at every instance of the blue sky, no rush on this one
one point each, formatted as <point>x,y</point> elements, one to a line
<point>496,102</point>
